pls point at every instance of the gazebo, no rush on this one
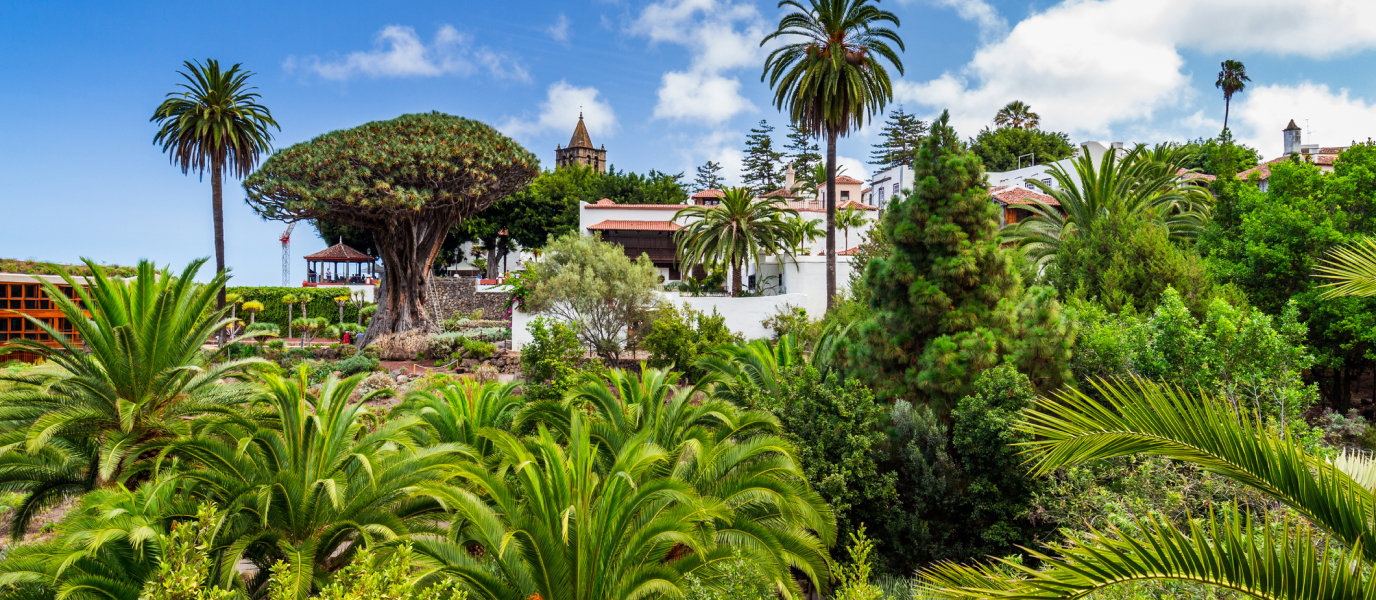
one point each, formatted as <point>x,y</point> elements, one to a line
<point>323,267</point>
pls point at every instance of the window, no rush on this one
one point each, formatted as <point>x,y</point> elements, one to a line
<point>895,189</point>
<point>881,195</point>
<point>845,196</point>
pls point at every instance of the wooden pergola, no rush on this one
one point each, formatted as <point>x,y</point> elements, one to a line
<point>358,267</point>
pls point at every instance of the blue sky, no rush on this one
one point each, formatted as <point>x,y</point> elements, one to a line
<point>665,85</point>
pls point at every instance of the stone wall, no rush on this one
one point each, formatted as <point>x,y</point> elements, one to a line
<point>460,294</point>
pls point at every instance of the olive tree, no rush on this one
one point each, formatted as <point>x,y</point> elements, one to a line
<point>594,286</point>
<point>408,181</point>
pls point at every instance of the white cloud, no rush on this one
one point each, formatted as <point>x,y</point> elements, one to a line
<point>1090,66</point>
<point>399,52</point>
<point>989,22</point>
<point>721,37</point>
<point>1329,119</point>
<point>722,147</point>
<point>854,167</point>
<point>559,112</point>
<point>560,29</point>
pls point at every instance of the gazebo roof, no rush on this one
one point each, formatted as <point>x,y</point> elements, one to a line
<point>340,253</point>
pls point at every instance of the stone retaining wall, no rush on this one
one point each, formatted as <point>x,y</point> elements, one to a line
<point>449,295</point>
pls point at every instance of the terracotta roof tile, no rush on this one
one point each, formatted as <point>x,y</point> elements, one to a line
<point>710,194</point>
<point>339,253</point>
<point>1187,174</point>
<point>1263,170</point>
<point>858,205</point>
<point>1019,195</point>
<point>779,193</point>
<point>615,225</point>
<point>604,203</point>
<point>842,180</point>
<point>849,251</point>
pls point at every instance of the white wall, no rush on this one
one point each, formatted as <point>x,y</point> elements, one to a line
<point>806,276</point>
<point>744,316</point>
<point>591,214</point>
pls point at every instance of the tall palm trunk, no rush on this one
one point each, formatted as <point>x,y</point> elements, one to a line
<point>736,277</point>
<point>217,202</point>
<point>831,217</point>
<point>1227,106</point>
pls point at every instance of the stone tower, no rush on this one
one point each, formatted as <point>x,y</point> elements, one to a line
<point>1291,137</point>
<point>581,151</point>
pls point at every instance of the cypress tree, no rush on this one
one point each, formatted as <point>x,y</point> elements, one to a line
<point>901,135</point>
<point>761,160</point>
<point>946,303</point>
<point>709,177</point>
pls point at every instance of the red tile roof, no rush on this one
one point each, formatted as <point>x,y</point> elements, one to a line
<point>857,205</point>
<point>605,203</point>
<point>1323,158</point>
<point>849,251</point>
<point>340,253</point>
<point>614,225</point>
<point>1019,195</point>
<point>1187,174</point>
<point>710,194</point>
<point>844,179</point>
<point>779,193</point>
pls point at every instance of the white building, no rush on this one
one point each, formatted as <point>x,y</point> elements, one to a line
<point>1293,144</point>
<point>887,184</point>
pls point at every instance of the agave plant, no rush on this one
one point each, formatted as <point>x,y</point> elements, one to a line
<point>1324,547</point>
<point>310,486</point>
<point>85,421</point>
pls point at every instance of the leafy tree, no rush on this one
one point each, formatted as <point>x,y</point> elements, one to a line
<point>829,78</point>
<point>741,229</point>
<point>679,337</point>
<point>1220,156</point>
<point>592,285</point>
<point>408,181</point>
<point>1126,263</point>
<point>1017,115</point>
<point>1143,184</point>
<point>131,383</point>
<point>802,149</point>
<point>941,299</point>
<point>630,188</point>
<point>1321,549</point>
<point>709,177</point>
<point>549,361</point>
<point>1270,243</point>
<point>967,493</point>
<point>1000,148</point>
<point>1232,78</point>
<point>761,160</point>
<point>216,123</point>
<point>901,134</point>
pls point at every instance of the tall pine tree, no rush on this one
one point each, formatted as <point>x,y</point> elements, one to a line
<point>902,133</point>
<point>709,178</point>
<point>762,172</point>
<point>802,149</point>
<point>946,302</point>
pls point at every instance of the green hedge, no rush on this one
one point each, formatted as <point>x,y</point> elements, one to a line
<point>321,305</point>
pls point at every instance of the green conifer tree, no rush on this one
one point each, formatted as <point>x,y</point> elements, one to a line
<point>803,150</point>
<point>709,177</point>
<point>947,303</point>
<point>901,135</point>
<point>762,162</point>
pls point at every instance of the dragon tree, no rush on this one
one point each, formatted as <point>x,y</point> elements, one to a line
<point>408,181</point>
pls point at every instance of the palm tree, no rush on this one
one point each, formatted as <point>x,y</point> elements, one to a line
<point>1144,183</point>
<point>741,229</point>
<point>215,123</point>
<point>84,423</point>
<point>455,414</point>
<point>1232,78</point>
<point>851,218</point>
<point>1353,269</point>
<point>1017,115</point>
<point>1325,550</point>
<point>830,80</point>
<point>315,481</point>
<point>805,231</point>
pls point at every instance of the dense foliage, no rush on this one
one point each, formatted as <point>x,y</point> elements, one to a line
<point>1001,148</point>
<point>680,335</point>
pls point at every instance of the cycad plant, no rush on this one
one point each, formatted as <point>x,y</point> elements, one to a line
<point>1322,548</point>
<point>1142,183</point>
<point>313,482</point>
<point>829,78</point>
<point>87,420</point>
<point>742,229</point>
<point>1352,269</point>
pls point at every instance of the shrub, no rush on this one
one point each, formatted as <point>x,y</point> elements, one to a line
<point>357,364</point>
<point>553,361</point>
<point>792,321</point>
<point>274,311</point>
<point>276,346</point>
<point>593,286</point>
<point>401,346</point>
<point>475,349</point>
<point>679,337</point>
<point>739,579</point>
<point>485,373</point>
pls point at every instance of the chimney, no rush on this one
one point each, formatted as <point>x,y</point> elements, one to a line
<point>788,179</point>
<point>1117,145</point>
<point>1290,137</point>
